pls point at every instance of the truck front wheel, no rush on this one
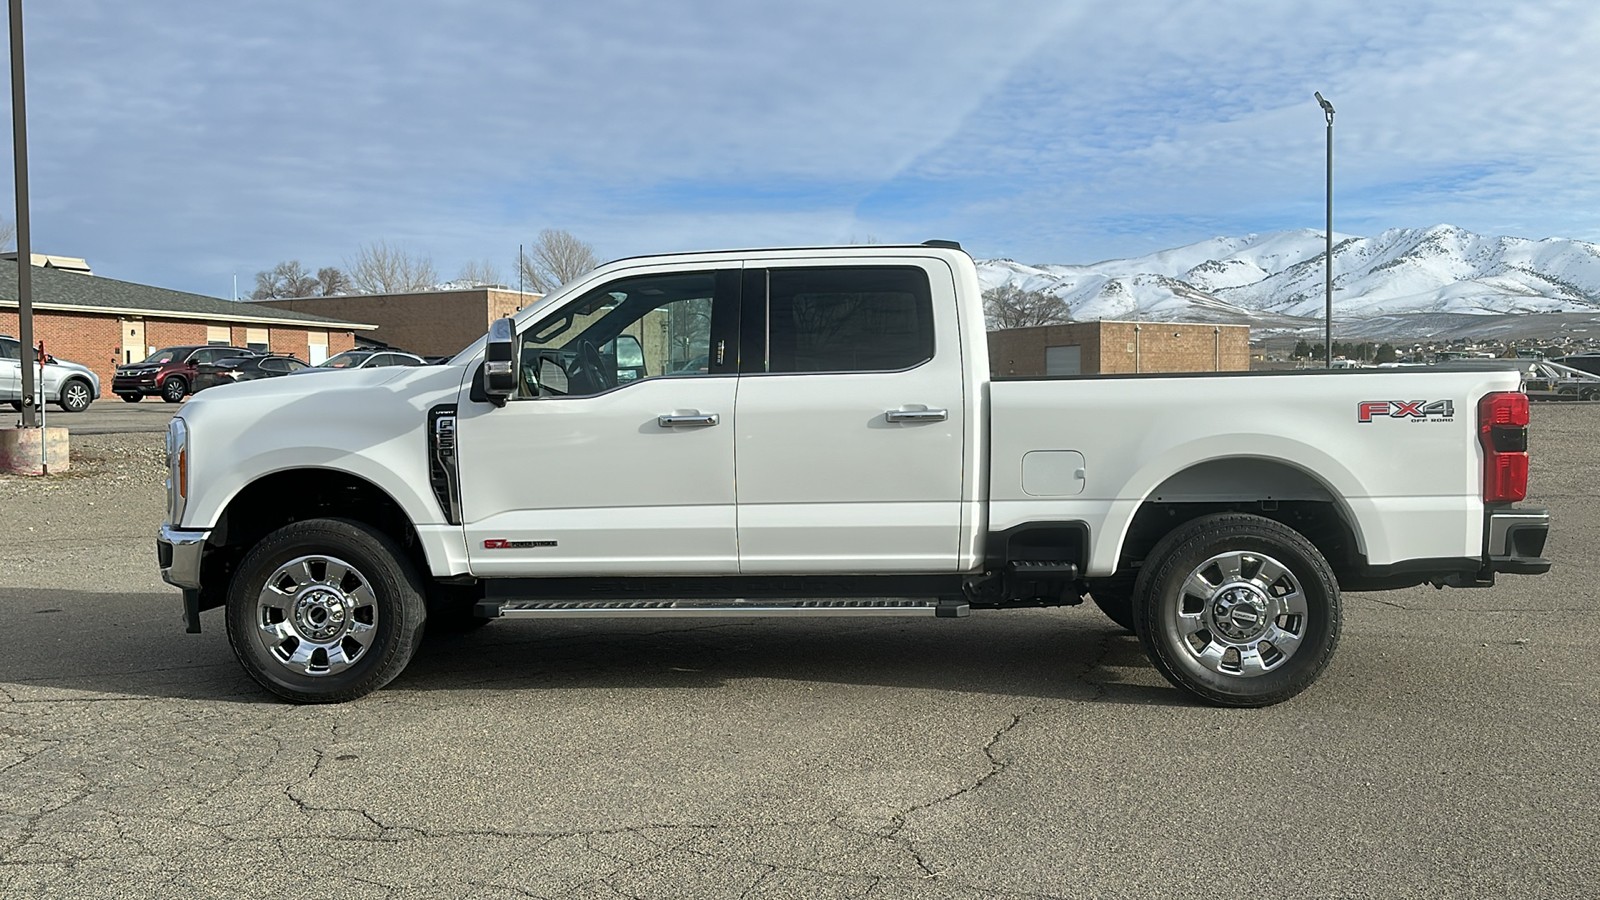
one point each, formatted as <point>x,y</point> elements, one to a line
<point>1237,610</point>
<point>324,611</point>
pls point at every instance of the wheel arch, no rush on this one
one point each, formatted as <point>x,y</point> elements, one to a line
<point>84,380</point>
<point>278,498</point>
<point>1272,487</point>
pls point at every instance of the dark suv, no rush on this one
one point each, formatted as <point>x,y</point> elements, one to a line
<point>169,372</point>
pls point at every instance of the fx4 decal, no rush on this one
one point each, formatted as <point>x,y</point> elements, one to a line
<point>1419,410</point>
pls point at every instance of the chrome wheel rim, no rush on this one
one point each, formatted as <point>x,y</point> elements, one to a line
<point>316,615</point>
<point>174,388</point>
<point>1241,613</point>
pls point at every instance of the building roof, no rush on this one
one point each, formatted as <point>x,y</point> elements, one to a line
<point>51,261</point>
<point>61,291</point>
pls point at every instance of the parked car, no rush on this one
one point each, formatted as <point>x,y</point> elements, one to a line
<point>71,386</point>
<point>169,372</point>
<point>232,369</point>
<point>368,359</point>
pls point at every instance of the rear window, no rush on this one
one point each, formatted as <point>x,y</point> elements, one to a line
<point>848,319</point>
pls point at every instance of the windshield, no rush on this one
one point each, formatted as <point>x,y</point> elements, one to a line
<point>346,360</point>
<point>167,354</point>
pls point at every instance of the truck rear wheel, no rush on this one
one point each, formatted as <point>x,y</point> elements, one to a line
<point>324,611</point>
<point>1238,610</point>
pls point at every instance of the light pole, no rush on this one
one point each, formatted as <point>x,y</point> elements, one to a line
<point>1327,283</point>
<point>19,136</point>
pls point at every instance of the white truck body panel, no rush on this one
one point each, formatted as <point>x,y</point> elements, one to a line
<point>803,474</point>
<point>1411,487</point>
<point>827,483</point>
<point>617,491</point>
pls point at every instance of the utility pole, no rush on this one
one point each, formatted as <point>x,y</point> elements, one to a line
<point>19,140</point>
<point>1327,285</point>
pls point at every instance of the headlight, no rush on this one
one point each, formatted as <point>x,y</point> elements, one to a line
<point>177,470</point>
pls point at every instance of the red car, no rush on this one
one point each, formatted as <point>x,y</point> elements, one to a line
<point>168,372</point>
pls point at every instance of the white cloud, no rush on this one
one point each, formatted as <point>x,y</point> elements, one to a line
<point>223,137</point>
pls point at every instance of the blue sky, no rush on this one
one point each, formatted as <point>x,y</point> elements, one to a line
<point>181,143</point>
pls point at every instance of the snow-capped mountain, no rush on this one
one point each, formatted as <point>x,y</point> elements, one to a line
<point>1277,278</point>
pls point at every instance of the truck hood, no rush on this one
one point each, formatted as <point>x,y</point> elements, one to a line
<point>369,423</point>
<point>339,385</point>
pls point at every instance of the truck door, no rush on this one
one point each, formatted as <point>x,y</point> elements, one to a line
<point>616,455</point>
<point>850,419</point>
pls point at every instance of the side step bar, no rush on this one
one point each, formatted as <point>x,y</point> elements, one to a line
<point>572,609</point>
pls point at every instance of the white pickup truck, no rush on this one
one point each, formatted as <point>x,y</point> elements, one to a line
<point>747,433</point>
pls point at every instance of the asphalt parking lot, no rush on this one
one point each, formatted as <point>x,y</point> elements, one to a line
<point>112,415</point>
<point>1447,752</point>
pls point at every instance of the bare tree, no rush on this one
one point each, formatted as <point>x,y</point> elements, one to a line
<point>379,268</point>
<point>555,259</point>
<point>1009,306</point>
<point>286,279</point>
<point>8,232</point>
<point>480,273</point>
<point>332,281</point>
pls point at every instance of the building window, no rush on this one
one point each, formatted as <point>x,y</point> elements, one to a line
<point>218,335</point>
<point>256,339</point>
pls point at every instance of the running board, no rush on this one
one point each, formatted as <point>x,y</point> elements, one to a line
<point>572,609</point>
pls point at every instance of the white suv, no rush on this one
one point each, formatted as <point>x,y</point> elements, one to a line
<point>72,386</point>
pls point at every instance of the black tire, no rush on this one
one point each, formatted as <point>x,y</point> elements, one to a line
<point>76,395</point>
<point>1114,596</point>
<point>131,398</point>
<point>174,389</point>
<point>1166,604</point>
<point>396,605</point>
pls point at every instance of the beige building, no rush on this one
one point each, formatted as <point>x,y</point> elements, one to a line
<point>1107,348</point>
<point>428,323</point>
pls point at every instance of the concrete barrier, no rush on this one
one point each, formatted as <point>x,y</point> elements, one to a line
<point>26,451</point>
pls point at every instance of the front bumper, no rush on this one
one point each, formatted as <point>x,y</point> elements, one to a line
<point>1515,540</point>
<point>135,384</point>
<point>179,555</point>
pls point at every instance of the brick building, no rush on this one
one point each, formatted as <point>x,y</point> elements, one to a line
<point>102,322</point>
<point>1106,348</point>
<point>428,323</point>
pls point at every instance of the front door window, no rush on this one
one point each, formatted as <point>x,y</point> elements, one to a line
<point>631,330</point>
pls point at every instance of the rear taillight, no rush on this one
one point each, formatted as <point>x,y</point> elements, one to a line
<point>1503,432</point>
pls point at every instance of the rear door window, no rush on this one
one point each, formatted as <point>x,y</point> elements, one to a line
<point>848,319</point>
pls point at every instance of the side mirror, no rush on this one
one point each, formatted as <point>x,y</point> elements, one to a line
<point>499,362</point>
<point>630,358</point>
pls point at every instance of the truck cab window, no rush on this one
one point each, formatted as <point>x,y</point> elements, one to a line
<point>848,319</point>
<point>622,332</point>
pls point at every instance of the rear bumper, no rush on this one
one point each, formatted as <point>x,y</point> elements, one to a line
<point>1514,542</point>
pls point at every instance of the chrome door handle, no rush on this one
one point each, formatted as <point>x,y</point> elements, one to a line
<point>917,415</point>
<point>674,420</point>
